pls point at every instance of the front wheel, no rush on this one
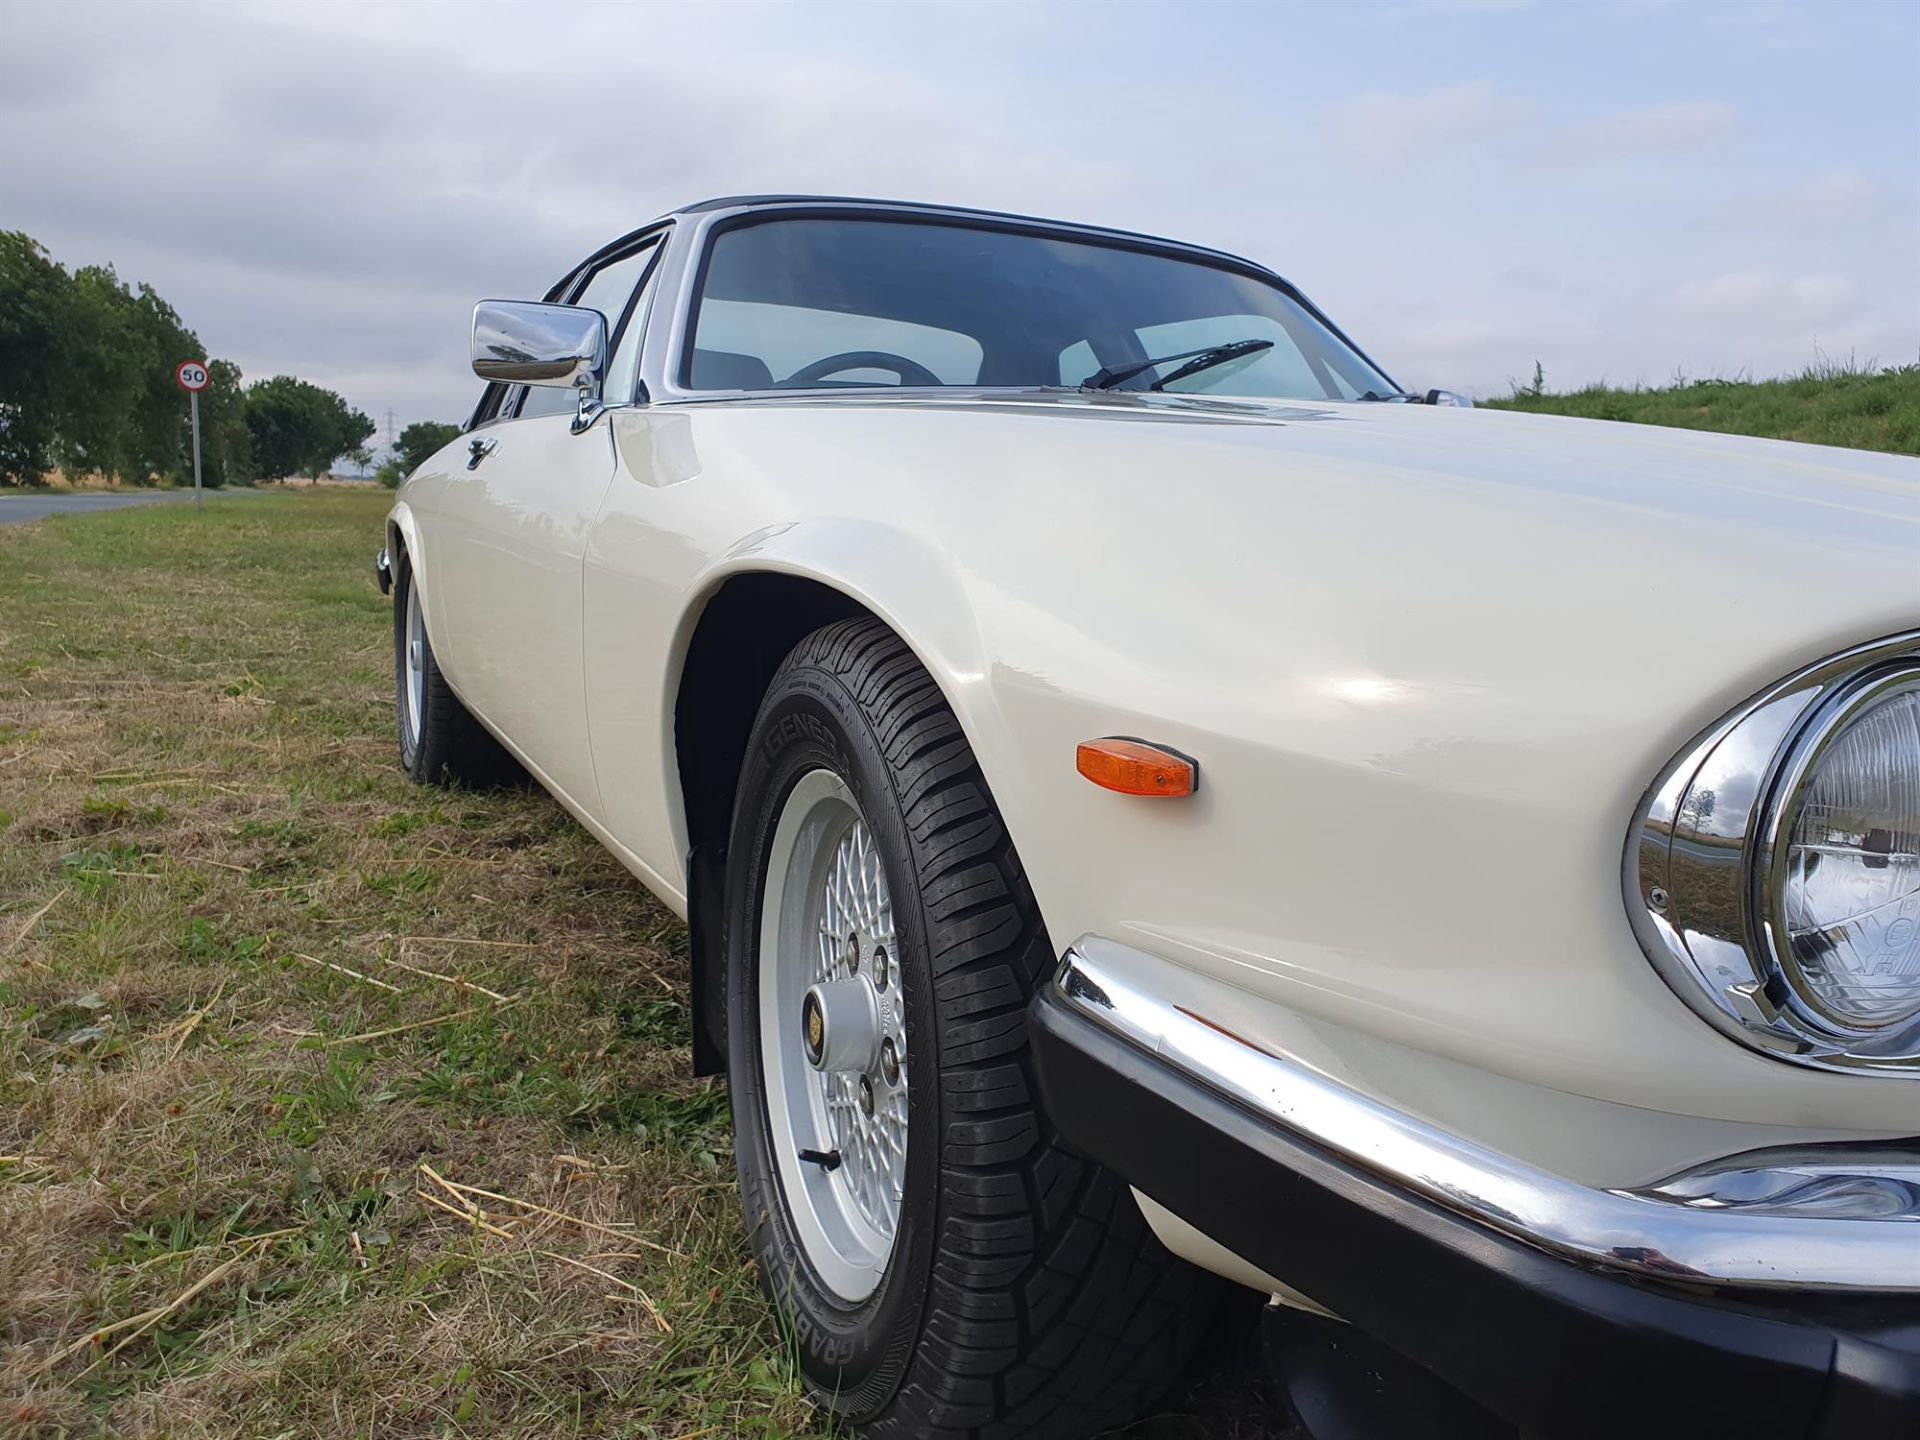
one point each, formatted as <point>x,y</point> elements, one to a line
<point>945,1267</point>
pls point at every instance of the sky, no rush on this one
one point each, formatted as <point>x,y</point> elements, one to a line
<point>1622,192</point>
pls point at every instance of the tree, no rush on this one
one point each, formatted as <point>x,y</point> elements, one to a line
<point>298,428</point>
<point>161,446</point>
<point>36,363</point>
<point>87,384</point>
<point>226,445</point>
<point>95,411</point>
<point>124,415</point>
<point>116,409</point>
<point>414,447</point>
<point>419,440</point>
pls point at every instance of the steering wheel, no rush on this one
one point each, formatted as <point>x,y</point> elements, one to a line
<point>911,372</point>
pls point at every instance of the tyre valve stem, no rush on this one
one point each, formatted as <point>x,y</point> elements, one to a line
<point>828,1160</point>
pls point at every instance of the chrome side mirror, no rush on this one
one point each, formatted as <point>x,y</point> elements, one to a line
<point>518,342</point>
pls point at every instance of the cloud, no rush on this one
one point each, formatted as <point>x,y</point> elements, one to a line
<point>1426,9</point>
<point>338,202</point>
<point>1762,293</point>
<point>1769,321</point>
<point>1845,192</point>
<point>1837,199</point>
<point>323,187</point>
<point>1652,129</point>
<point>1399,132</point>
<point>1531,277</point>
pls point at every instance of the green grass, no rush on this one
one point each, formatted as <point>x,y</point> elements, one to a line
<point>1828,404</point>
<point>251,982</point>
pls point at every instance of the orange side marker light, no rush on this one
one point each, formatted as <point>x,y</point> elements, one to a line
<point>1133,767</point>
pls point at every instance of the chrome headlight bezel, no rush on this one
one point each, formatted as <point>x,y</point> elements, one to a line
<point>1703,881</point>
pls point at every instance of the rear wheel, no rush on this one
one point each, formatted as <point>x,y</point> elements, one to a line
<point>946,1268</point>
<point>439,738</point>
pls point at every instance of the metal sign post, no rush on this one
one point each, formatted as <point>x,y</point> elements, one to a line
<point>193,378</point>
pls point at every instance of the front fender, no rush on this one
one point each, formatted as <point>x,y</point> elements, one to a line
<point>403,537</point>
<point>411,512</point>
<point>921,592</point>
<point>893,573</point>
<point>725,651</point>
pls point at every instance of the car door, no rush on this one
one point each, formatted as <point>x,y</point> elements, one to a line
<point>507,548</point>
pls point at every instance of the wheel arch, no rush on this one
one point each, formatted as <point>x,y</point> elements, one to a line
<point>749,616</point>
<point>403,538</point>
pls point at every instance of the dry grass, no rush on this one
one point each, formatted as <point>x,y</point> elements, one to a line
<point>328,1105</point>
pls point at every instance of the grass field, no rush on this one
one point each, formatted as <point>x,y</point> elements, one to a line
<point>1828,404</point>
<point>334,1106</point>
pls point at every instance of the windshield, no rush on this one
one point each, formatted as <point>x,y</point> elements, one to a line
<point>830,303</point>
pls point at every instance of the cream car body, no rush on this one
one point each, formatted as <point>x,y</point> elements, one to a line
<point>1428,660</point>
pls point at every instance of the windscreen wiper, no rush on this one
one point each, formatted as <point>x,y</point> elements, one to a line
<point>1197,360</point>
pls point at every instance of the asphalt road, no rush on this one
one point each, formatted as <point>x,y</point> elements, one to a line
<point>17,508</point>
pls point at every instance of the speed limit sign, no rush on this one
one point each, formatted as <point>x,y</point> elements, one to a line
<point>193,378</point>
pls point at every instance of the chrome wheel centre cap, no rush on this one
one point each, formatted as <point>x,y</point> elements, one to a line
<point>840,1025</point>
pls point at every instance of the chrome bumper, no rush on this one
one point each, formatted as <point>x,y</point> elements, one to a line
<point>1817,1218</point>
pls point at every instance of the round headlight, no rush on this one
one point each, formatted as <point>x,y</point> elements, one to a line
<point>1845,914</point>
<point>1773,870</point>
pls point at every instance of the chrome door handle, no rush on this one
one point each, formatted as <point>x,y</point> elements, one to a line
<point>478,449</point>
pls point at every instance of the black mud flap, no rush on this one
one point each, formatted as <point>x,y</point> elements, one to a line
<point>706,956</point>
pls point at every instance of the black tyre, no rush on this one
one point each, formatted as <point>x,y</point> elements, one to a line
<point>946,1268</point>
<point>440,741</point>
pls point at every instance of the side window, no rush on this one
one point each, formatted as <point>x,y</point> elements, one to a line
<point>607,290</point>
<point>488,410</point>
<point>625,364</point>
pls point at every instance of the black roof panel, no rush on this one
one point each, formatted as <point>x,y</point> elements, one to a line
<point>735,202</point>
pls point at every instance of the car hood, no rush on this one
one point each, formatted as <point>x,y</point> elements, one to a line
<point>1253,536</point>
<point>1656,467</point>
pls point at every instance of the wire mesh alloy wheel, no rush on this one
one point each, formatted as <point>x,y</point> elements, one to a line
<point>833,1032</point>
<point>413,659</point>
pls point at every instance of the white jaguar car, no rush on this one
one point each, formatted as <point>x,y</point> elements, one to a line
<point>1163,814</point>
